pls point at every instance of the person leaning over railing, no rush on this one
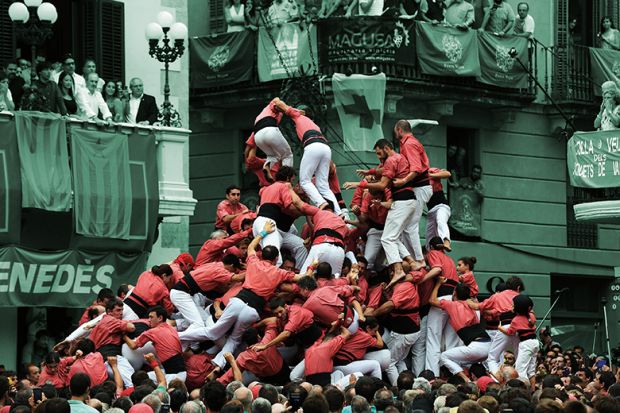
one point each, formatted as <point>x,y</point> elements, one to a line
<point>609,36</point>
<point>499,19</point>
<point>90,102</point>
<point>608,117</point>
<point>6,101</point>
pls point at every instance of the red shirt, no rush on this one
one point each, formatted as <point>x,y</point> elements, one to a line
<point>521,325</point>
<point>435,182</point>
<point>235,224</point>
<point>198,367</point>
<point>165,340</point>
<point>362,294</point>
<point>460,314</point>
<point>374,211</point>
<point>356,346</point>
<point>469,280</point>
<point>438,259</point>
<point>263,278</point>
<point>278,193</point>
<point>109,330</point>
<point>227,208</point>
<point>405,297</point>
<point>232,292</point>
<point>331,282</point>
<point>425,289</point>
<point>92,365</point>
<point>152,289</point>
<point>327,303</point>
<point>212,276</point>
<point>269,110</point>
<point>59,379</point>
<point>302,123</point>
<point>332,179</point>
<point>357,197</point>
<point>213,249</point>
<point>327,220</point>
<point>499,302</point>
<point>414,152</point>
<point>84,318</point>
<point>375,297</point>
<point>177,274</point>
<point>320,357</point>
<point>298,319</point>
<point>395,166</point>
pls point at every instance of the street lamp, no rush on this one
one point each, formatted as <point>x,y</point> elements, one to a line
<point>166,27</point>
<point>33,21</point>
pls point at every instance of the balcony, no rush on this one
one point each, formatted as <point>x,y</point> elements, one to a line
<point>405,75</point>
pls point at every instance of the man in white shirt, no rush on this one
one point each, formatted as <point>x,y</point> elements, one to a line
<point>524,24</point>
<point>68,65</point>
<point>90,102</point>
<point>91,67</point>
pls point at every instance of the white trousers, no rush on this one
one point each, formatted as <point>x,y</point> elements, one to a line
<point>373,252</point>
<point>383,357</point>
<point>129,314</point>
<point>185,304</point>
<point>315,162</point>
<point>124,368</point>
<point>400,345</point>
<point>437,222</point>
<point>439,329</point>
<point>329,253</point>
<point>418,360</point>
<point>455,359</point>
<point>182,375</point>
<point>526,360</point>
<point>281,239</point>
<point>398,219</point>
<point>412,231</point>
<point>136,357</point>
<point>499,344</point>
<point>366,367</point>
<point>271,141</point>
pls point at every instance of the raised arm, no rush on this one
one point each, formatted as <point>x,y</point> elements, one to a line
<point>267,229</point>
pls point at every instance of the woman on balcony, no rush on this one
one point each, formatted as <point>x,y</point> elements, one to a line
<point>608,117</point>
<point>67,90</point>
<point>235,16</point>
<point>609,36</point>
<point>112,99</point>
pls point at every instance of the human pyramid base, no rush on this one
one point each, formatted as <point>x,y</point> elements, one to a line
<point>345,298</point>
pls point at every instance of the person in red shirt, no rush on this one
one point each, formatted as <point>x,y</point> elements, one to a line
<point>229,209</point>
<point>328,238</point>
<point>166,341</point>
<point>261,282</point>
<point>523,325</point>
<point>501,305</point>
<point>403,206</point>
<point>257,165</point>
<point>334,186</point>
<point>54,370</point>
<point>150,290</point>
<point>465,269</point>
<point>214,248</point>
<point>373,213</point>
<point>268,137</point>
<point>88,361</point>
<point>243,222</point>
<point>198,367</point>
<point>211,280</point>
<point>319,359</point>
<point>103,297</point>
<point>316,159</point>
<point>182,264</point>
<point>467,325</point>
<point>276,200</point>
<point>356,355</point>
<point>438,208</point>
<point>418,178</point>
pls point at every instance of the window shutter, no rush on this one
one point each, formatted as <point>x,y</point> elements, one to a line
<point>6,33</point>
<point>217,23</point>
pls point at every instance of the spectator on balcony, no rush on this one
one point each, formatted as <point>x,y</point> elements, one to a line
<point>459,14</point>
<point>574,34</point>
<point>91,67</point>
<point>67,91</point>
<point>366,7</point>
<point>16,82</point>
<point>26,69</point>
<point>433,11</point>
<point>114,102</point>
<point>499,19</point>
<point>68,66</point>
<point>91,103</point>
<point>283,11</point>
<point>234,13</point>
<point>6,101</point>
<point>524,23</point>
<point>251,15</point>
<point>46,88</point>
<point>142,108</point>
<point>608,117</point>
<point>334,8</point>
<point>480,9</point>
<point>410,9</point>
<point>609,36</point>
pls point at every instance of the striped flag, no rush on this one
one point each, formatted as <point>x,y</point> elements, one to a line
<point>42,143</point>
<point>102,183</point>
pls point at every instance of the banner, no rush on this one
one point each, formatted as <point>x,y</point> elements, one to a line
<point>605,66</point>
<point>367,39</point>
<point>496,66</point>
<point>102,183</point>
<point>446,51</point>
<point>359,100</point>
<point>221,60</point>
<point>42,142</point>
<point>62,279</point>
<point>593,159</point>
<point>10,186</point>
<point>285,50</point>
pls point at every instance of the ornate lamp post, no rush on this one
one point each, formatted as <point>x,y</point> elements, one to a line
<point>33,23</point>
<point>166,27</point>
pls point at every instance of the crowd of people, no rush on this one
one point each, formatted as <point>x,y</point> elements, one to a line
<point>58,88</point>
<point>351,313</point>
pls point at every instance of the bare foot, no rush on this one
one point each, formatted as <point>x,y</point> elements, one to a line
<point>399,275</point>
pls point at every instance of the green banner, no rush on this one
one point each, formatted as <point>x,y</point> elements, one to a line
<point>605,66</point>
<point>359,101</point>
<point>367,39</point>
<point>446,51</point>
<point>284,51</point>
<point>496,66</point>
<point>593,159</point>
<point>10,186</point>
<point>62,279</point>
<point>42,142</point>
<point>221,60</point>
<point>102,183</point>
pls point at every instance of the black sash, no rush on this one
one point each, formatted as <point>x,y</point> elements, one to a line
<point>309,335</point>
<point>473,333</point>
<point>375,225</point>
<point>312,136</point>
<point>110,350</point>
<point>446,288</point>
<point>403,194</point>
<point>437,198</point>
<point>138,305</point>
<point>174,364</point>
<point>527,336</point>
<point>506,317</point>
<point>328,232</point>
<point>266,122</point>
<point>280,378</point>
<point>252,299</point>
<point>491,324</point>
<point>273,211</point>
<point>424,310</point>
<point>403,325</point>
<point>140,328</point>
<point>420,179</point>
<point>322,379</point>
